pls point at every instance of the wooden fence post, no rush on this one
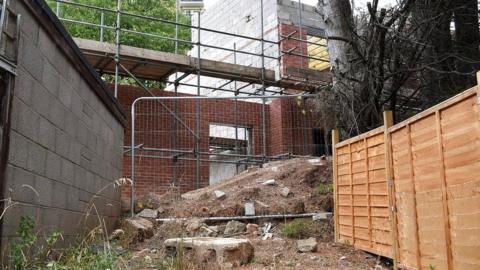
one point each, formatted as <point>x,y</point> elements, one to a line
<point>388,122</point>
<point>335,140</point>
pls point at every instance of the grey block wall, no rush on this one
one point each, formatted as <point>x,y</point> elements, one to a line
<point>65,145</point>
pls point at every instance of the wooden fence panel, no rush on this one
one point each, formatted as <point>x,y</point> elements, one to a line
<point>361,197</point>
<point>434,160</point>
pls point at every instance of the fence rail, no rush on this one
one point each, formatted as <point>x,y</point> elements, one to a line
<point>411,191</point>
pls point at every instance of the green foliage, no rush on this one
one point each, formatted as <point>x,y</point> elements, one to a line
<point>161,9</point>
<point>295,229</point>
<point>324,189</point>
<point>21,248</point>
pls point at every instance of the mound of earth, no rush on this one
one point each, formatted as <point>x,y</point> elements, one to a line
<point>300,176</point>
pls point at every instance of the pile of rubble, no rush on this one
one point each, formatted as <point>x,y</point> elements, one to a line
<point>279,187</point>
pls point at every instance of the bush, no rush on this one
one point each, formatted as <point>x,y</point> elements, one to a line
<point>324,189</point>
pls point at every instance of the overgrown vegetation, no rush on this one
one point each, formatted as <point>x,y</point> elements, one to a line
<point>324,189</point>
<point>296,229</point>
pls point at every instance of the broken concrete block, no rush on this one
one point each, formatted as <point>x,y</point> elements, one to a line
<point>194,224</point>
<point>322,216</point>
<point>219,194</point>
<point>285,192</point>
<point>207,232</point>
<point>249,209</point>
<point>307,245</point>
<point>252,229</point>
<point>148,214</point>
<point>141,228</point>
<point>234,227</point>
<point>228,252</point>
<point>270,182</point>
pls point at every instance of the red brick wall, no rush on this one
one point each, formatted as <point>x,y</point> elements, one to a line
<point>298,47</point>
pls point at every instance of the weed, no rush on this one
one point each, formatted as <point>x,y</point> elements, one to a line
<point>295,229</point>
<point>324,189</point>
<point>21,249</point>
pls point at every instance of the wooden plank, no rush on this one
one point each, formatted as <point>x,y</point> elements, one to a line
<point>387,123</point>
<point>335,140</point>
<point>369,210</point>
<point>351,194</point>
<point>446,218</point>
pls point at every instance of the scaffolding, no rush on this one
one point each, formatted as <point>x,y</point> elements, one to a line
<point>264,90</point>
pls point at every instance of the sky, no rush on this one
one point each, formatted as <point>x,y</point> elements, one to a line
<point>358,3</point>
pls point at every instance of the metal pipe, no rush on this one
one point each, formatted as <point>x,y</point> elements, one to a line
<point>252,162</point>
<point>147,149</point>
<point>132,161</point>
<point>274,216</point>
<point>117,44</point>
<point>102,22</point>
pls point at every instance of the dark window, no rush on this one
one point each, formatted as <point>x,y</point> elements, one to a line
<point>4,101</point>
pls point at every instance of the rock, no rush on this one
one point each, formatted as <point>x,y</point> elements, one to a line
<point>219,195</point>
<point>322,216</point>
<point>285,192</point>
<point>194,224</point>
<point>140,227</point>
<point>274,169</point>
<point>234,227</point>
<point>207,232</point>
<point>307,245</point>
<point>252,228</point>
<point>116,234</point>
<point>249,209</point>
<point>228,252</point>
<point>150,201</point>
<point>148,214</point>
<point>270,182</point>
<point>342,258</point>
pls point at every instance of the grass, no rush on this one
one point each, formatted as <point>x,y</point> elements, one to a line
<point>296,229</point>
<point>324,189</point>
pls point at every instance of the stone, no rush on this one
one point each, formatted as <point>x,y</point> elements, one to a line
<point>267,236</point>
<point>116,234</point>
<point>270,182</point>
<point>342,258</point>
<point>148,214</point>
<point>140,227</point>
<point>234,227</point>
<point>227,252</point>
<point>252,229</point>
<point>206,231</point>
<point>219,195</point>
<point>194,224</point>
<point>322,216</point>
<point>249,209</point>
<point>150,201</point>
<point>307,245</point>
<point>285,192</point>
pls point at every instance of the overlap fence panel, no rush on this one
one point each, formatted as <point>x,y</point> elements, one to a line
<point>429,215</point>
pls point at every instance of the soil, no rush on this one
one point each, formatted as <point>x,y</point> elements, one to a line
<point>300,175</point>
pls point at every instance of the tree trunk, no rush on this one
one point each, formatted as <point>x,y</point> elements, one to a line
<point>467,40</point>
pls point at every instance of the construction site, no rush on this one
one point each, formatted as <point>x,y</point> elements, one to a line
<point>177,134</point>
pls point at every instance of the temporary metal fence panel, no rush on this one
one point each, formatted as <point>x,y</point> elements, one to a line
<point>432,163</point>
<point>186,142</point>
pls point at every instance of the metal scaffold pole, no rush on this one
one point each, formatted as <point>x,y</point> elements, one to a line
<point>117,44</point>
<point>175,107</point>
<point>236,105</point>
<point>264,107</point>
<point>198,109</point>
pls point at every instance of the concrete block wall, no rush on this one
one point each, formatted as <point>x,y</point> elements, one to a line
<point>65,145</point>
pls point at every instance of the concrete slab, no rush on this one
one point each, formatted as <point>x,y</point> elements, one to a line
<point>227,252</point>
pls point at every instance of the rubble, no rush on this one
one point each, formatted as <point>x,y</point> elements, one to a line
<point>193,225</point>
<point>227,252</point>
<point>270,182</point>
<point>219,194</point>
<point>252,229</point>
<point>234,227</point>
<point>148,214</point>
<point>116,234</point>
<point>285,192</point>
<point>249,209</point>
<point>322,216</point>
<point>140,228</point>
<point>307,245</point>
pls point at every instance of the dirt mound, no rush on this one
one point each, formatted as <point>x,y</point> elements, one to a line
<point>300,176</point>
